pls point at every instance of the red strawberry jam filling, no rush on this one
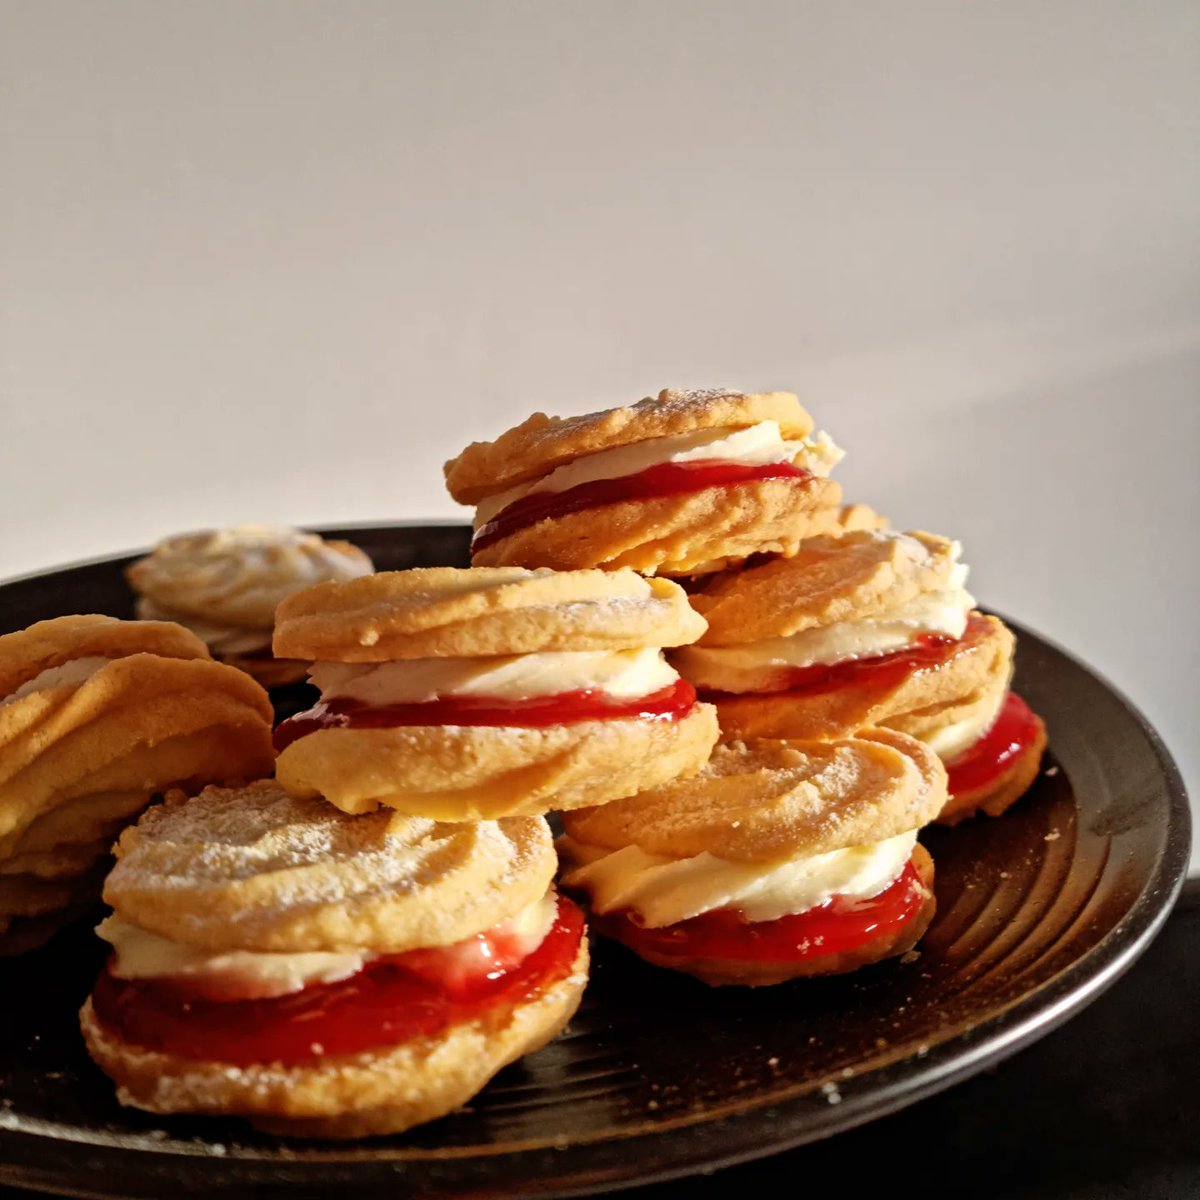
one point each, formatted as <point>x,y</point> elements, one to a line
<point>883,672</point>
<point>567,708</point>
<point>1011,735</point>
<point>391,1000</point>
<point>666,479</point>
<point>838,925</point>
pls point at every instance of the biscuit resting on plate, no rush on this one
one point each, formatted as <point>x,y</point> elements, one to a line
<point>96,716</point>
<point>781,859</point>
<point>870,628</point>
<point>224,585</point>
<point>327,975</point>
<point>680,484</point>
<point>480,693</point>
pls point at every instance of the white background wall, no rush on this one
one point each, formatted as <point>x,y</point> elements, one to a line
<point>276,260</point>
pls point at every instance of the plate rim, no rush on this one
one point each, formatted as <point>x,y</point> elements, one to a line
<point>1023,1021</point>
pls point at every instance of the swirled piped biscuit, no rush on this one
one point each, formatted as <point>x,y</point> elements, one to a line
<point>488,692</point>
<point>224,584</point>
<point>322,974</point>
<point>97,715</point>
<point>779,859</point>
<point>684,483</point>
<point>870,628</point>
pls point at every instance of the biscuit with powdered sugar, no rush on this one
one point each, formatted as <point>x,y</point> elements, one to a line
<point>435,612</point>
<point>764,800</point>
<point>259,869</point>
<point>764,499</point>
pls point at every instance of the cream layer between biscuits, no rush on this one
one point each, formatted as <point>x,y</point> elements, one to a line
<point>763,666</point>
<point>756,445</point>
<point>69,674</point>
<point>139,954</point>
<point>663,891</point>
<point>623,674</point>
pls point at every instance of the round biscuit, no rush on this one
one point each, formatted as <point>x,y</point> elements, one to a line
<point>1000,794</point>
<point>59,862</point>
<point>979,664</point>
<point>379,1091</point>
<point>256,868</point>
<point>237,576</point>
<point>448,612</point>
<point>830,579</point>
<point>718,972</point>
<point>26,653</point>
<point>767,800</point>
<point>472,773</point>
<point>694,533</point>
<point>140,724</point>
<point>541,444</point>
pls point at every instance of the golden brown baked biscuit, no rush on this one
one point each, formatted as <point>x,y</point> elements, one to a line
<point>610,489</point>
<point>973,667</point>
<point>100,715</point>
<point>225,584</point>
<point>352,1096</point>
<point>999,795</point>
<point>855,517</point>
<point>541,444</point>
<point>832,579</point>
<point>718,972</point>
<point>476,694</point>
<point>450,958</point>
<point>439,612</point>
<point>759,871</point>
<point>765,800</point>
<point>256,868</point>
<point>473,773</point>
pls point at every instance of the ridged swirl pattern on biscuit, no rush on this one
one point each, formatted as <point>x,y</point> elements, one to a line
<point>766,800</point>
<point>830,579</point>
<point>259,869</point>
<point>238,576</point>
<point>435,612</point>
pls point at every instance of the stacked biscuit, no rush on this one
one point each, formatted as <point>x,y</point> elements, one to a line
<point>362,945</point>
<point>708,485</point>
<point>872,627</point>
<point>96,716</point>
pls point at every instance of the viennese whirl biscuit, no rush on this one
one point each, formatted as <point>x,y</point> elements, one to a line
<point>322,974</point>
<point>680,484</point>
<point>487,692</point>
<point>780,859</point>
<point>224,585</point>
<point>96,715</point>
<point>869,628</point>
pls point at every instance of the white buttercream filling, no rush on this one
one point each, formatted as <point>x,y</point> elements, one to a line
<point>764,666</point>
<point>663,891</point>
<point>754,446</point>
<point>68,674</point>
<point>248,974</point>
<point>623,674</point>
<point>950,741</point>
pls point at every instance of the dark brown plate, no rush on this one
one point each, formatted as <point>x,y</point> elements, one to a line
<point>1038,912</point>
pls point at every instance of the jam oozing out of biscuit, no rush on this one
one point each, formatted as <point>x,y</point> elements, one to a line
<point>1012,733</point>
<point>882,672</point>
<point>838,925</point>
<point>390,1001</point>
<point>665,479</point>
<point>566,708</point>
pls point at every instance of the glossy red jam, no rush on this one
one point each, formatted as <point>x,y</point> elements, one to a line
<point>666,479</point>
<point>838,925</point>
<point>883,672</point>
<point>1014,731</point>
<point>391,1000</point>
<point>567,708</point>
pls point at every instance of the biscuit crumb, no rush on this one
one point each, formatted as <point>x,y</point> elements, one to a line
<point>1051,771</point>
<point>1052,836</point>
